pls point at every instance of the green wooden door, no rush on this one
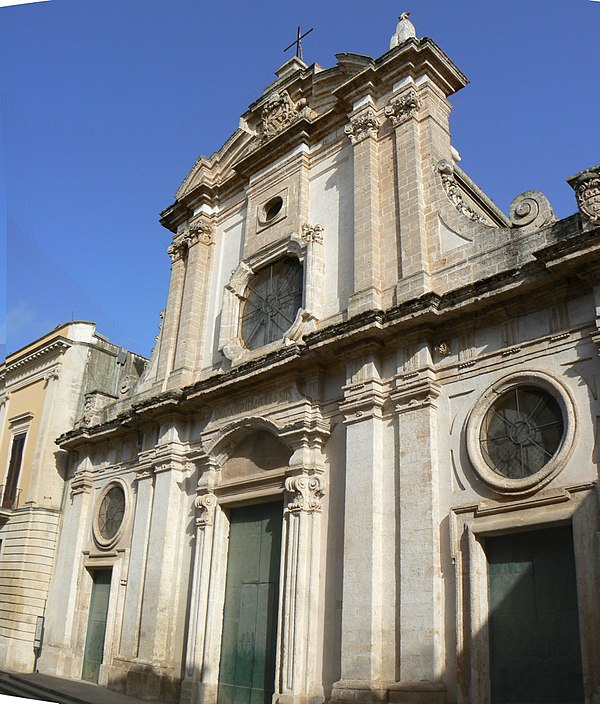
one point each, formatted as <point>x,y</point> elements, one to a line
<point>247,669</point>
<point>535,655</point>
<point>96,630</point>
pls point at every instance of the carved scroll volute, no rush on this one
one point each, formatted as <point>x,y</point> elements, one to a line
<point>531,208</point>
<point>206,505</point>
<point>305,493</point>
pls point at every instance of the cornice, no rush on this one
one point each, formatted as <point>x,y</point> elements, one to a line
<point>427,312</point>
<point>59,345</point>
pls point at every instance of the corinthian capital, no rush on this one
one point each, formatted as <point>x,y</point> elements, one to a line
<point>403,108</point>
<point>306,493</point>
<point>362,126</point>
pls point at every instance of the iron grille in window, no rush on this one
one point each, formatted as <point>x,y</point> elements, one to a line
<point>273,298</point>
<point>521,432</point>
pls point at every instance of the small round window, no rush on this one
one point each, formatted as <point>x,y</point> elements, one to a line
<point>273,298</point>
<point>272,208</point>
<point>521,431</point>
<point>110,514</point>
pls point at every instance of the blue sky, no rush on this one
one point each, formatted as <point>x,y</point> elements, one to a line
<point>106,104</point>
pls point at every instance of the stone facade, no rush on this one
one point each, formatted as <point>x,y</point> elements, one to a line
<point>368,412</point>
<point>45,388</point>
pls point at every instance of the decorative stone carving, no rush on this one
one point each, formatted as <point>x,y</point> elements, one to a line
<point>362,126</point>
<point>531,208</point>
<point>200,230</point>
<point>206,505</point>
<point>404,30</point>
<point>402,109</point>
<point>281,111</point>
<point>312,233</point>
<point>446,171</point>
<point>587,191</point>
<point>443,349</point>
<point>306,491</point>
<point>93,405</point>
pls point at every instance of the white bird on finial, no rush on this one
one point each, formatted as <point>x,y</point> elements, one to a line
<point>404,30</point>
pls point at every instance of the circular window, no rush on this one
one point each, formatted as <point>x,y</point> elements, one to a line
<point>108,520</point>
<point>273,298</point>
<point>271,209</point>
<point>520,432</point>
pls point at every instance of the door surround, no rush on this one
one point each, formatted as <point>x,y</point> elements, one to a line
<point>469,526</point>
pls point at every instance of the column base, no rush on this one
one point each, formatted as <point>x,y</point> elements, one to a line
<point>363,301</point>
<point>365,692</point>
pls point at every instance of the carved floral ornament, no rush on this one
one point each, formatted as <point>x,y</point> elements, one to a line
<point>587,192</point>
<point>306,493</point>
<point>362,126</point>
<point>198,231</point>
<point>403,108</point>
<point>281,111</point>
<point>446,171</point>
<point>312,233</point>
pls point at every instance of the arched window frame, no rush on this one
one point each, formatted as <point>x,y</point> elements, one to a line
<point>307,248</point>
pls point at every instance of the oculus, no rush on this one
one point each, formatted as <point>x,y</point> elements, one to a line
<point>273,298</point>
<point>520,433</point>
<point>108,521</point>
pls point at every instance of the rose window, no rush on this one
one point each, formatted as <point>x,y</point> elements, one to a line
<point>521,432</point>
<point>273,298</point>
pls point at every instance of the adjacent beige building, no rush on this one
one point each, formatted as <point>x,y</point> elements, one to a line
<point>44,389</point>
<point>361,465</point>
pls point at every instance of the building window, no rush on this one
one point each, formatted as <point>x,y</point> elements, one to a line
<point>520,432</point>
<point>110,515</point>
<point>10,491</point>
<point>273,298</point>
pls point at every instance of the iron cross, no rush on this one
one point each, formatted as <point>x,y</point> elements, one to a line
<point>298,43</point>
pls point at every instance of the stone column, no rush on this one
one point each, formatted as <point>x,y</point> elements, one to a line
<point>170,327</point>
<point>58,654</point>
<point>137,562</point>
<point>296,678</point>
<point>420,117</point>
<point>362,130</point>
<point>364,635</point>
<point>162,584</point>
<point>203,648</point>
<point>191,332</point>
<point>420,587</point>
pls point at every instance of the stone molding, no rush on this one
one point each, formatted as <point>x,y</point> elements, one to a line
<point>415,390</point>
<point>364,125</point>
<point>586,185</point>
<point>82,482</point>
<point>455,196</point>
<point>401,109</point>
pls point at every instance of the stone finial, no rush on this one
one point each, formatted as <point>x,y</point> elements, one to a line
<point>586,185</point>
<point>404,30</point>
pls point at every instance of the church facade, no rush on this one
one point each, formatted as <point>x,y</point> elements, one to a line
<point>361,465</point>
